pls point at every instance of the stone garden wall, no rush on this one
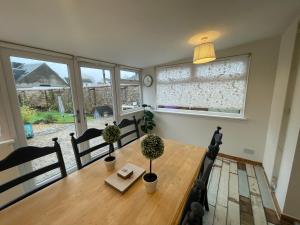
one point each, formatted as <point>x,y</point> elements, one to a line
<point>47,99</point>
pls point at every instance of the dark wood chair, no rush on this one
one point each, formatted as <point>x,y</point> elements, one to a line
<point>86,136</point>
<point>217,131</point>
<point>125,123</point>
<point>192,214</point>
<point>207,167</point>
<point>27,154</point>
<point>213,149</point>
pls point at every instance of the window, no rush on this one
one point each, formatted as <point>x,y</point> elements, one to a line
<point>43,90</point>
<point>215,87</point>
<point>130,90</point>
<point>97,101</point>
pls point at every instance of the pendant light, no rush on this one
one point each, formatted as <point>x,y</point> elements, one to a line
<point>205,52</point>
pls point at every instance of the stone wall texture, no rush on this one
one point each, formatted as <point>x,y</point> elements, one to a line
<point>47,99</point>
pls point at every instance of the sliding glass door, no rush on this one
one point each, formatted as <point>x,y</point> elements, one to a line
<point>44,101</point>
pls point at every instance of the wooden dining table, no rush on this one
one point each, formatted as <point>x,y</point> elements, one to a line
<point>83,198</point>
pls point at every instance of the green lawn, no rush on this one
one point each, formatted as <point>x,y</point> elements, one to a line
<point>52,117</point>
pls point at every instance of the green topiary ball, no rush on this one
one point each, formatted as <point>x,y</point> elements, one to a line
<point>111,134</point>
<point>152,146</point>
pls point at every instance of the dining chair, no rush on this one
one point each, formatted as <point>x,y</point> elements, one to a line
<point>27,154</point>
<point>213,149</point>
<point>128,128</point>
<point>198,193</point>
<point>89,134</point>
<point>217,131</point>
<point>194,216</point>
<point>207,168</point>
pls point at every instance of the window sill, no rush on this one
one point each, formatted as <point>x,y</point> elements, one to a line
<point>203,114</point>
<point>130,112</point>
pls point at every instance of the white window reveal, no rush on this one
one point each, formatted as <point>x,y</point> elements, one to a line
<point>216,88</point>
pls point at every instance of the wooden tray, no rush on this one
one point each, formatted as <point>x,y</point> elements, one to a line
<point>121,184</point>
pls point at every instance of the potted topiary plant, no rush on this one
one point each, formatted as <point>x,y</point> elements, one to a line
<point>152,148</point>
<point>111,134</point>
<point>148,123</point>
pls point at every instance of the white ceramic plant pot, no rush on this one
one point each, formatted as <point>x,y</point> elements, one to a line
<point>150,185</point>
<point>110,164</point>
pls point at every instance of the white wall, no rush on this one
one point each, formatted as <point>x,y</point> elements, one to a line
<point>288,173</point>
<point>238,134</point>
<point>292,207</point>
<point>279,97</point>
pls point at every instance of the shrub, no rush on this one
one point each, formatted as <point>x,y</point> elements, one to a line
<point>111,134</point>
<point>148,123</point>
<point>152,147</point>
<point>27,113</point>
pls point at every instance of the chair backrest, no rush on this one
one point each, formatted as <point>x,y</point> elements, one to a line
<point>205,170</point>
<point>125,123</point>
<point>199,187</point>
<point>86,136</point>
<point>194,215</point>
<point>214,147</point>
<point>217,131</point>
<point>27,154</point>
<point>194,196</point>
<point>197,195</point>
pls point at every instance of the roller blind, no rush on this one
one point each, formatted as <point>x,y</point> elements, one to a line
<point>218,86</point>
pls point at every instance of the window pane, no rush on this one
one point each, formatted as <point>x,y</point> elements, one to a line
<point>130,96</point>
<point>98,101</point>
<point>130,90</point>
<point>128,75</point>
<point>219,86</point>
<point>45,97</point>
<point>174,74</point>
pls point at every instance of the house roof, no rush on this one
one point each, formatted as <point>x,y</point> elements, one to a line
<point>24,69</point>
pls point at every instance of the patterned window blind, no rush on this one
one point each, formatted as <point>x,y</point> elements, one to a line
<point>218,86</point>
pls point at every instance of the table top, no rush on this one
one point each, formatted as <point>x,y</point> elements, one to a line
<point>83,197</point>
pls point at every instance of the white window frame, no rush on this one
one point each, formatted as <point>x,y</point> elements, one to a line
<point>12,128</point>
<point>240,116</point>
<point>10,83</point>
<point>6,122</point>
<point>138,82</point>
<point>104,66</point>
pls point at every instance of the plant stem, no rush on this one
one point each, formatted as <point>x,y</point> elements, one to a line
<point>150,166</point>
<point>111,147</point>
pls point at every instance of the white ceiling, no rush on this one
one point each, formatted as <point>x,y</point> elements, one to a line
<point>140,33</point>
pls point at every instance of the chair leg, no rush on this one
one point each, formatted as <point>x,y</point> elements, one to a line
<point>206,202</point>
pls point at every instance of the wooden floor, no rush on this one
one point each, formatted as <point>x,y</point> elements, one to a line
<point>238,194</point>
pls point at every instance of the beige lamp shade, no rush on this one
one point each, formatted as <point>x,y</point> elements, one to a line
<point>204,53</point>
